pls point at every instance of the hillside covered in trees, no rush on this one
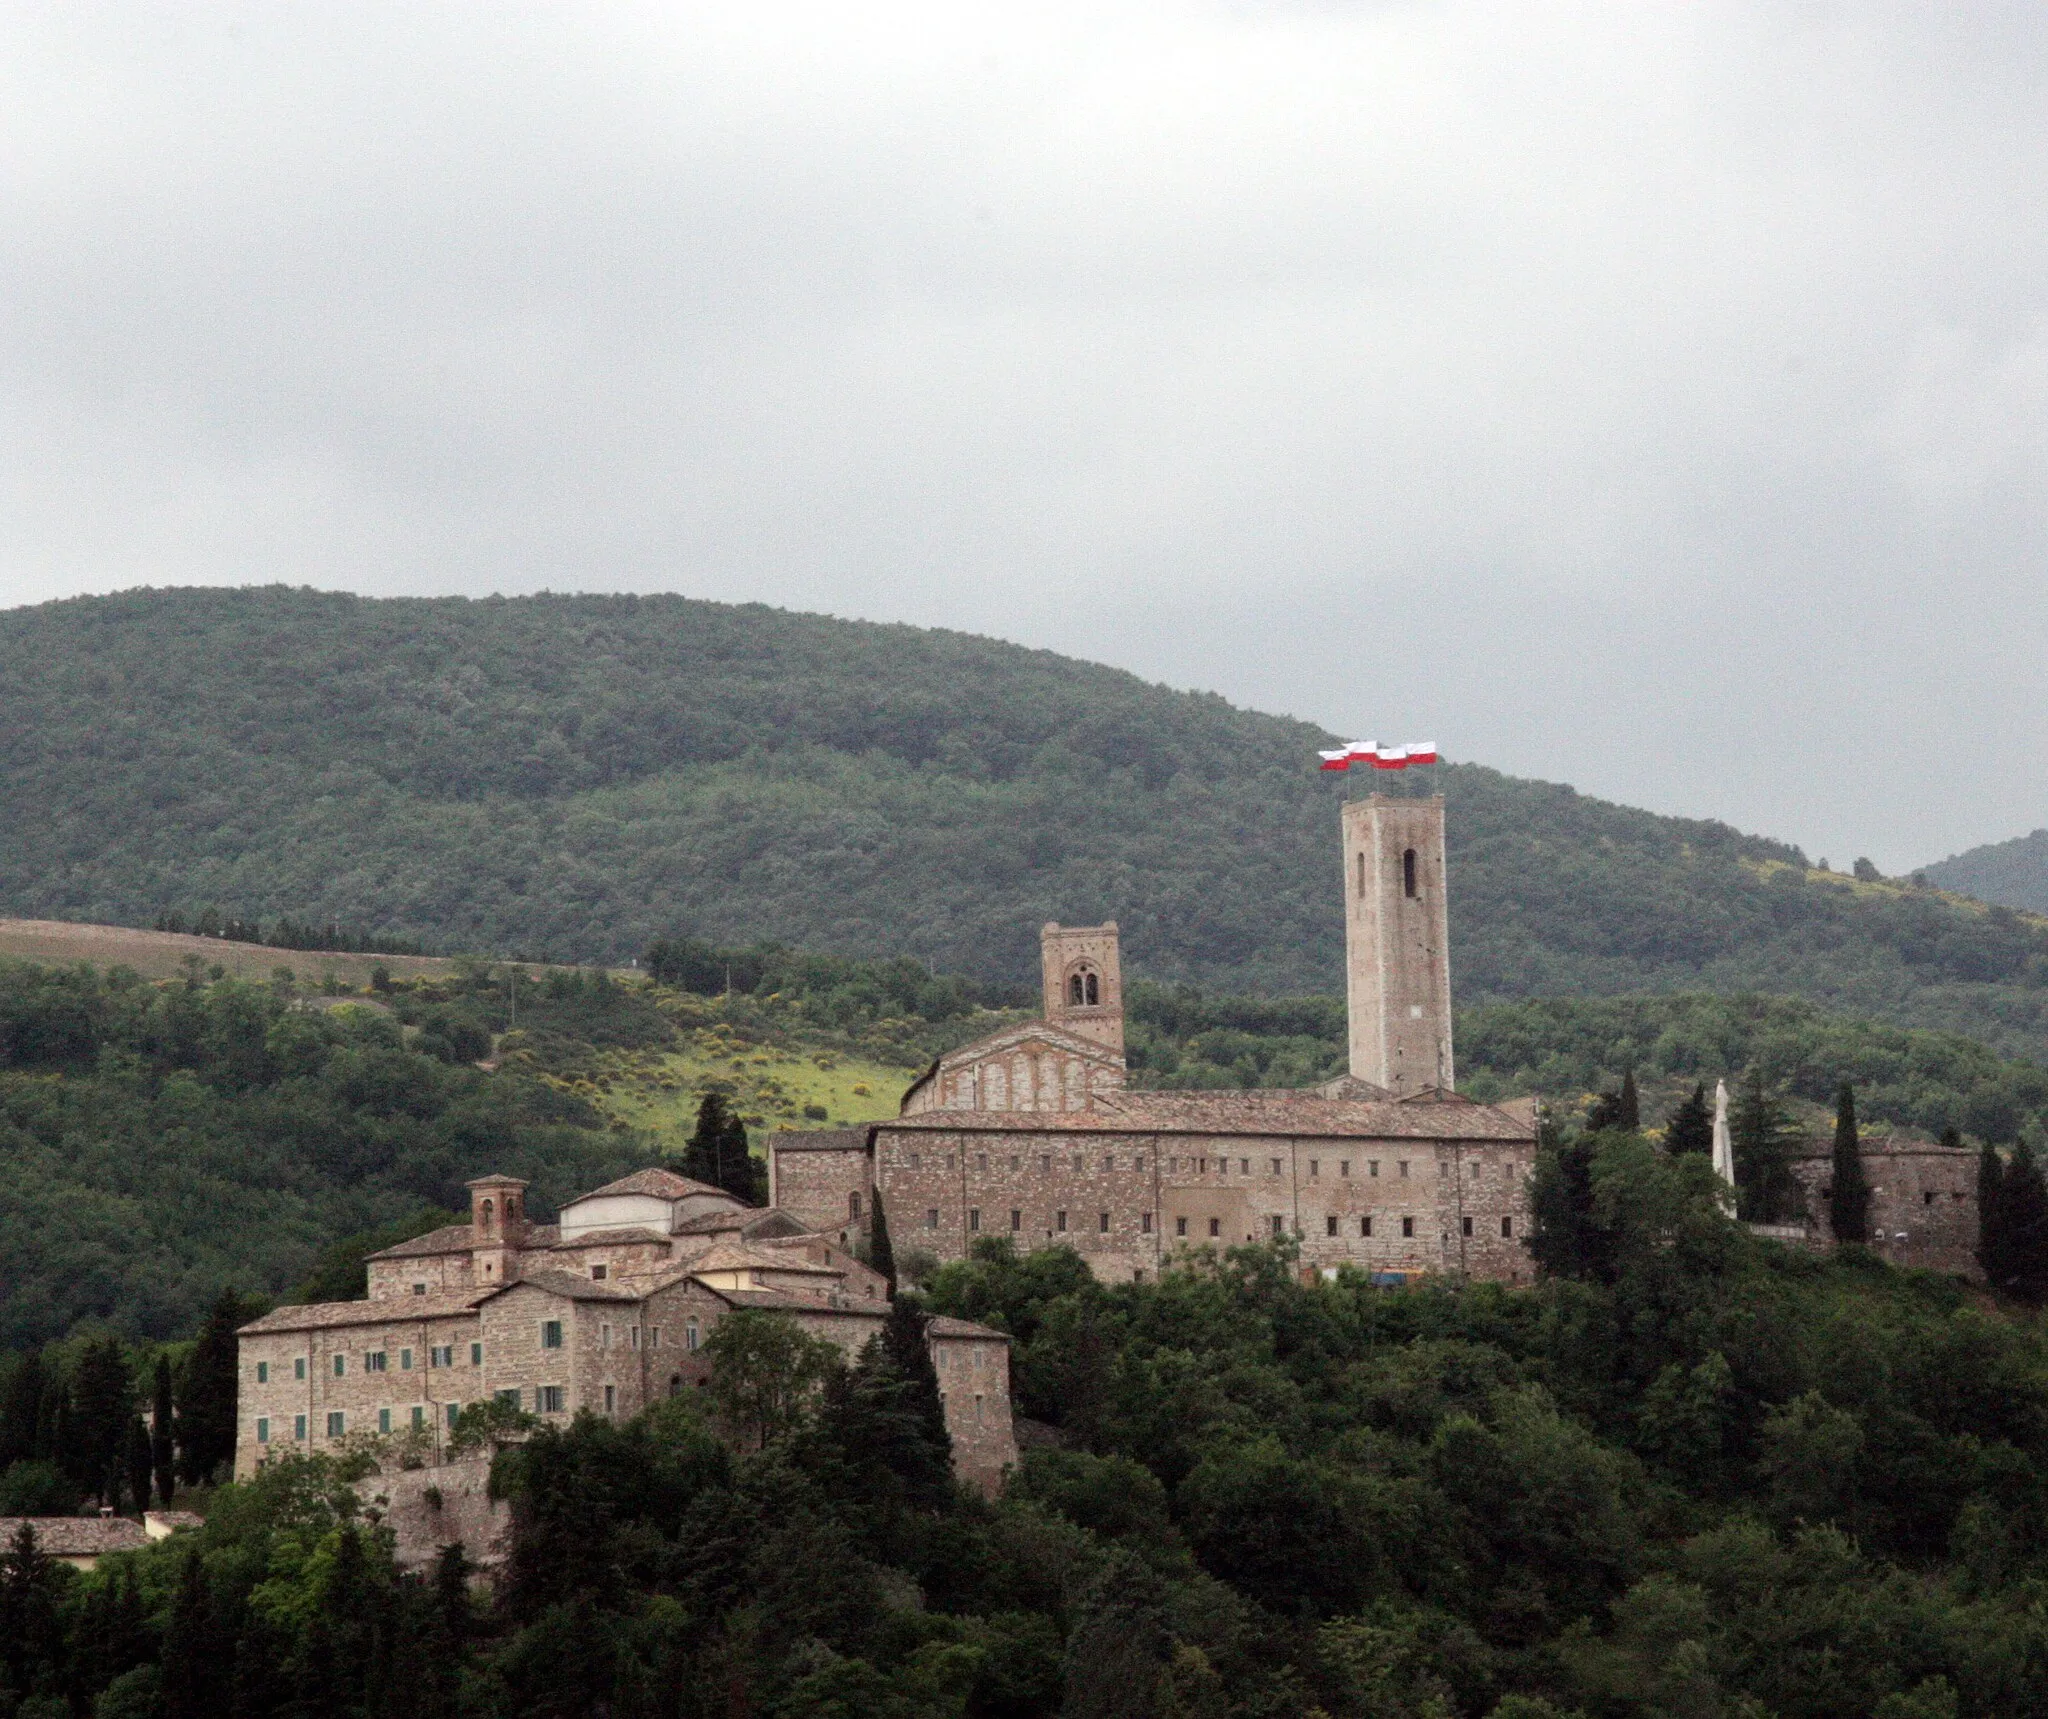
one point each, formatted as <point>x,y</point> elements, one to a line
<point>571,777</point>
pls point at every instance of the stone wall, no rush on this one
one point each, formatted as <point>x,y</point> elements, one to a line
<point>974,1384</point>
<point>1923,1203</point>
<point>816,1178</point>
<point>443,1504</point>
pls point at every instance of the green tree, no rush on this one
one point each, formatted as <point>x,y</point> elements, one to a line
<point>1691,1128</point>
<point>163,1461</point>
<point>2023,1226</point>
<point>881,1251</point>
<point>766,1371</point>
<point>1991,1250</point>
<point>1764,1139</point>
<point>206,1408</point>
<point>1848,1191</point>
<point>1120,1646</point>
<point>717,1151</point>
<point>101,1410</point>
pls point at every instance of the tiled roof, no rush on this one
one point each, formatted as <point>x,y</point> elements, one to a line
<point>612,1238</point>
<point>748,1222</point>
<point>393,1310</point>
<point>1258,1111</point>
<point>730,1256</point>
<point>780,1301</point>
<point>944,1325</point>
<point>572,1288</point>
<point>661,1184</point>
<point>459,1238</point>
<point>819,1140</point>
<point>76,1536</point>
<point>160,1524</point>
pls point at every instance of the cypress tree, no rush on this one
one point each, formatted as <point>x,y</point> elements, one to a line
<point>206,1421</point>
<point>2023,1221</point>
<point>905,1343</point>
<point>21,1410</point>
<point>736,1172</point>
<point>881,1254</point>
<point>1629,1109</point>
<point>1848,1193</point>
<point>162,1450</point>
<point>193,1652</point>
<point>1761,1133</point>
<point>1691,1128</point>
<point>101,1412</point>
<point>703,1155</point>
<point>138,1462</point>
<point>1990,1214</point>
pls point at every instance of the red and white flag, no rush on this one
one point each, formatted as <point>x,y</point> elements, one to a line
<point>1378,756</point>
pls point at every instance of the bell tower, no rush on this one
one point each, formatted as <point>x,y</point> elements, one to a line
<point>1084,982</point>
<point>1397,959</point>
<point>497,1229</point>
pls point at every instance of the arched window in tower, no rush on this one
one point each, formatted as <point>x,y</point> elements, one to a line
<point>1084,988</point>
<point>490,1212</point>
<point>1094,989</point>
<point>1075,990</point>
<point>1408,872</point>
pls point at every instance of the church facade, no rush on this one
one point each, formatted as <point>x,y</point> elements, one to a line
<point>1034,1133</point>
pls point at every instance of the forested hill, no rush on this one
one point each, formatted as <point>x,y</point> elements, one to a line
<point>2013,873</point>
<point>570,776</point>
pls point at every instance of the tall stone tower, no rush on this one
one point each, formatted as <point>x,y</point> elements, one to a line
<point>1397,959</point>
<point>1084,982</point>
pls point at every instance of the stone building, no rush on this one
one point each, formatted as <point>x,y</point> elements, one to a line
<point>607,1310</point>
<point>1923,1202</point>
<point>1033,1133</point>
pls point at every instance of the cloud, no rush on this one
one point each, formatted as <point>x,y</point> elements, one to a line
<point>1652,398</point>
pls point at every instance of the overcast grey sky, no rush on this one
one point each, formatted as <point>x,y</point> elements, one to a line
<point>1653,398</point>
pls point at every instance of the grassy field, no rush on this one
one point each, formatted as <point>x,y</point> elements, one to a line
<point>163,954</point>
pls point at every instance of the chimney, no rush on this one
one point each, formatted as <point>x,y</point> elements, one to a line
<point>497,1230</point>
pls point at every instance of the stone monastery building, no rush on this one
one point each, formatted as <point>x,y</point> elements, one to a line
<point>1033,1134</point>
<point>606,1310</point>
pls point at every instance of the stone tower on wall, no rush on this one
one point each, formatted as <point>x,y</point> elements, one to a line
<point>1397,960</point>
<point>1084,982</point>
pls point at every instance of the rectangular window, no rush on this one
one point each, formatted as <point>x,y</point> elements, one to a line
<point>931,1218</point>
<point>1279,1226</point>
<point>551,1334</point>
<point>853,1205</point>
<point>444,1356</point>
<point>1059,1221</point>
<point>1109,1160</point>
<point>913,1160</point>
<point>1407,1226</point>
<point>981,1163</point>
<point>550,1399</point>
<point>340,1365</point>
<point>1016,1162</point>
<point>299,1428</point>
<point>1102,1223</point>
<point>1244,1166</point>
<point>476,1354</point>
<point>1331,1224</point>
<point>419,1289</point>
<point>598,1273</point>
<point>1365,1228</point>
<point>1201,1166</point>
<point>1403,1167</point>
<point>337,1423</point>
<point>383,1420</point>
<point>1080,1162</point>
<point>1215,1226</point>
<point>1344,1167</point>
<point>298,1366</point>
<point>611,1399</point>
<point>509,1395</point>
<point>690,1337</point>
<point>1466,1225</point>
<point>654,1336</point>
<point>949,1163</point>
<point>974,1218</point>
<point>1180,1226</point>
<point>604,1336</point>
<point>419,1414</point>
<point>1145,1223</point>
<point>632,1336</point>
<point>1045,1160</point>
<point>1315,1166</point>
<point>1443,1168</point>
<point>1372,1166</point>
<point>373,1361</point>
<point>1016,1219</point>
<point>405,1360</point>
<point>262,1372</point>
<point>1507,1228</point>
<point>454,1409</point>
<point>262,1430</point>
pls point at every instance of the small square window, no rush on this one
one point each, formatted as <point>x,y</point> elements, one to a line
<point>1279,1225</point>
<point>598,1273</point>
<point>405,1360</point>
<point>443,1356</point>
<point>550,1399</point>
<point>419,1289</point>
<point>298,1366</point>
<point>1109,1160</point>
<point>551,1334</point>
<point>262,1430</point>
<point>262,1372</point>
<point>509,1396</point>
<point>373,1362</point>
<point>337,1423</point>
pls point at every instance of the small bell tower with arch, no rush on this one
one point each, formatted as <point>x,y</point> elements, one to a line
<point>1084,982</point>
